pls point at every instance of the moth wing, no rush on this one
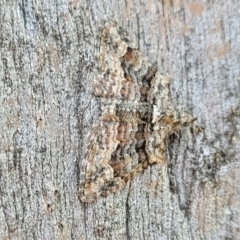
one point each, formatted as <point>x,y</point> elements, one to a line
<point>96,172</point>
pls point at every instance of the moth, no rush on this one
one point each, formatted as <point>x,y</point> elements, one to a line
<point>138,117</point>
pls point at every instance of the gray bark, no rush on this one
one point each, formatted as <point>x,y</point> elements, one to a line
<point>47,65</point>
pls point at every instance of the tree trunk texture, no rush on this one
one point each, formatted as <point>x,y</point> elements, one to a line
<point>47,67</point>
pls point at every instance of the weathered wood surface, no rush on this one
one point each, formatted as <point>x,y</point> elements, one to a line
<point>47,65</point>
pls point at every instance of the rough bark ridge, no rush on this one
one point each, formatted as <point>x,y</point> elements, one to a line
<point>47,66</point>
